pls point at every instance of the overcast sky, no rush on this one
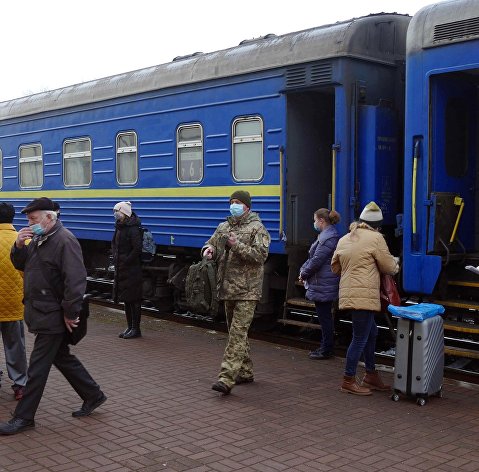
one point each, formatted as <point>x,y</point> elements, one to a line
<point>47,44</point>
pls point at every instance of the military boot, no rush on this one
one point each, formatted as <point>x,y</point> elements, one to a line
<point>135,331</point>
<point>350,385</point>
<point>373,381</point>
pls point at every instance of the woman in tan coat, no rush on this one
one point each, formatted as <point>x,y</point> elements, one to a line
<point>359,258</point>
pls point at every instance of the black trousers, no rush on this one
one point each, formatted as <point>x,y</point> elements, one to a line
<point>48,350</point>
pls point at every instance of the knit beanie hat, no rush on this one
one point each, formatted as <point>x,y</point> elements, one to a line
<point>371,215</point>
<point>243,196</point>
<point>123,207</point>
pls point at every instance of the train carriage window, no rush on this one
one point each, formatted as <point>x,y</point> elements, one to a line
<point>126,158</point>
<point>1,168</point>
<point>189,139</point>
<point>77,162</point>
<point>31,166</point>
<point>248,149</point>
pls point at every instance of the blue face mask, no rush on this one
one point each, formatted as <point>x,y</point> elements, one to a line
<point>37,229</point>
<point>316,228</point>
<point>236,209</point>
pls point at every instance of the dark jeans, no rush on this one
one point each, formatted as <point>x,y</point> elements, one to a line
<point>365,332</point>
<point>325,318</point>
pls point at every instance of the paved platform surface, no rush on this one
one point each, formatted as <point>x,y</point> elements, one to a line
<point>161,413</point>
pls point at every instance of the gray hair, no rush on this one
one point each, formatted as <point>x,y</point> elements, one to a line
<point>52,213</point>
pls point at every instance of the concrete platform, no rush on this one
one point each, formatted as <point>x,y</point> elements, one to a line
<point>161,413</point>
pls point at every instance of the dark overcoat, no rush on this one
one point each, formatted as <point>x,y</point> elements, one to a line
<point>126,249</point>
<point>322,284</point>
<point>54,279</point>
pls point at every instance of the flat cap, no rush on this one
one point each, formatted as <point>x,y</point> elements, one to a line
<point>42,203</point>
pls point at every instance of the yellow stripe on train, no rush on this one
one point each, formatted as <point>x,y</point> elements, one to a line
<point>181,192</point>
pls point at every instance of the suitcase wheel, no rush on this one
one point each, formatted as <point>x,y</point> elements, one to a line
<point>395,397</point>
<point>421,401</point>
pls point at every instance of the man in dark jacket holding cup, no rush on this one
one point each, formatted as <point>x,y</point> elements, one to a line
<point>52,264</point>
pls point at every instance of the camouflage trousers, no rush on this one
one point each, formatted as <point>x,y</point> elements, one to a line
<point>236,359</point>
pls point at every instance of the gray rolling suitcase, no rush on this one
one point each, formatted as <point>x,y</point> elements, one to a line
<point>419,362</point>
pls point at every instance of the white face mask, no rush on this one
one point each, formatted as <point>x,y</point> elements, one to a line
<point>236,209</point>
<point>37,228</point>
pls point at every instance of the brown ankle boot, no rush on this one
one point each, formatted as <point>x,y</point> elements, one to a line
<point>373,381</point>
<point>351,386</point>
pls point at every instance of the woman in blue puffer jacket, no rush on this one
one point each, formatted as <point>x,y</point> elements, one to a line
<point>320,282</point>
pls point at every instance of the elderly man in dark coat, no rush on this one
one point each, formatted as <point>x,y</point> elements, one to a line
<point>52,263</point>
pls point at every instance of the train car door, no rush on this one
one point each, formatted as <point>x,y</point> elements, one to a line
<point>310,136</point>
<point>452,163</point>
<point>308,183</point>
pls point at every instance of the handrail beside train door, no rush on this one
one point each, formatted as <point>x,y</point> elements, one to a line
<point>334,155</point>
<point>458,201</point>
<point>281,176</point>
<point>415,242</point>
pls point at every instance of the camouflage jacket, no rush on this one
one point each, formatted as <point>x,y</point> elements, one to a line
<point>241,267</point>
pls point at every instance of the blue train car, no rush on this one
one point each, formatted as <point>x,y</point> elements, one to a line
<point>441,200</point>
<point>305,120</point>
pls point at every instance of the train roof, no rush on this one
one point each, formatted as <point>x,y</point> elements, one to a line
<point>442,24</point>
<point>350,38</point>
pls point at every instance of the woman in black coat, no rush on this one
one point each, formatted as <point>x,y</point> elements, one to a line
<point>126,249</point>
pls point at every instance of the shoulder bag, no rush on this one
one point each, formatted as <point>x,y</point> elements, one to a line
<point>388,291</point>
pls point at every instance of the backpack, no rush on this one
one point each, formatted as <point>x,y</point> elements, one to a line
<point>200,287</point>
<point>148,246</point>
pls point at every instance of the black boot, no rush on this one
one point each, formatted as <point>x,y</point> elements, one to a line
<point>128,310</point>
<point>136,319</point>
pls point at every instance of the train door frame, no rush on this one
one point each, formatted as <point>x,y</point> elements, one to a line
<point>306,135</point>
<point>451,175</point>
<point>305,173</point>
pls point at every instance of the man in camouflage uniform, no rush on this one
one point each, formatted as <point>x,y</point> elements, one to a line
<point>240,247</point>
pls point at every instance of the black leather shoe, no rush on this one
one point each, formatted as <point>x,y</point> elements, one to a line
<point>133,333</point>
<point>127,330</point>
<point>221,387</point>
<point>320,356</point>
<point>16,425</point>
<point>88,407</point>
<point>243,380</point>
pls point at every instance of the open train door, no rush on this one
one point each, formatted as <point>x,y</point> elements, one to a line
<point>308,179</point>
<point>453,166</point>
<point>311,119</point>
